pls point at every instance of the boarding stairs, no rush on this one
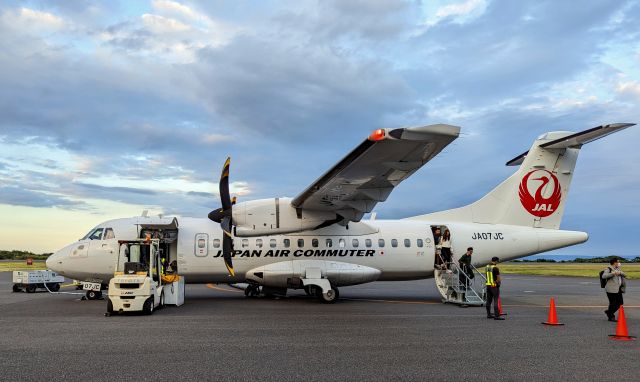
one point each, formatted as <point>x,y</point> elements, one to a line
<point>456,287</point>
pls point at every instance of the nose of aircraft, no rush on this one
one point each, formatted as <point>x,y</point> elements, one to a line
<point>55,261</point>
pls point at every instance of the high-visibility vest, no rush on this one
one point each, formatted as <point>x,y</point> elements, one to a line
<point>490,281</point>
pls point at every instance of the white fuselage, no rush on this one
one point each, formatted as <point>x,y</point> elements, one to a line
<point>399,249</point>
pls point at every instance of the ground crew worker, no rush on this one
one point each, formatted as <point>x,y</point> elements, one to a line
<point>493,289</point>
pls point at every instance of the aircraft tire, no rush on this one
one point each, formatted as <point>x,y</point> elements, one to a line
<point>31,288</point>
<point>252,291</point>
<point>330,297</point>
<point>147,308</point>
<point>16,288</point>
<point>93,295</point>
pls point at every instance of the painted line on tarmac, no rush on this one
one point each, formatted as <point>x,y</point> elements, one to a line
<point>393,301</point>
<point>214,286</point>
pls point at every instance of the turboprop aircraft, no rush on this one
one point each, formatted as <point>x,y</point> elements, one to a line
<point>319,241</point>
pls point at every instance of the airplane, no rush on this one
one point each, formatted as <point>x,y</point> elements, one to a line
<point>318,241</point>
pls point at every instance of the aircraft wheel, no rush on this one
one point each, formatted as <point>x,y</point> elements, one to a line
<point>93,295</point>
<point>17,288</point>
<point>330,297</point>
<point>31,288</point>
<point>147,308</point>
<point>252,291</point>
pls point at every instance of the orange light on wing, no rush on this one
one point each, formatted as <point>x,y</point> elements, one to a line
<point>377,135</point>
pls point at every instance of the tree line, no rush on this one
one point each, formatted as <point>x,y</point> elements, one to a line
<point>22,255</point>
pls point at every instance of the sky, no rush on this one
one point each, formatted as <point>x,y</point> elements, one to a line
<point>111,108</point>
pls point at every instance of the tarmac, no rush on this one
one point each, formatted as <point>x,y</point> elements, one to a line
<point>378,331</point>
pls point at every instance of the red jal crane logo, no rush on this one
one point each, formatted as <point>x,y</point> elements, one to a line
<point>537,204</point>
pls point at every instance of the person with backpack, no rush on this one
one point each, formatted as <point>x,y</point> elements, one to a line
<point>614,284</point>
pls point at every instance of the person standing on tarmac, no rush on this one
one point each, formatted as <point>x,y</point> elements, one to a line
<point>493,289</point>
<point>615,287</point>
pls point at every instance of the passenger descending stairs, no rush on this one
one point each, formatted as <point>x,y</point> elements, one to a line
<point>451,280</point>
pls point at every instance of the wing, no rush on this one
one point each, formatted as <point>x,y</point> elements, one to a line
<point>368,174</point>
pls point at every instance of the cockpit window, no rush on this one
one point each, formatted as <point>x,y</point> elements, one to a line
<point>108,234</point>
<point>96,234</point>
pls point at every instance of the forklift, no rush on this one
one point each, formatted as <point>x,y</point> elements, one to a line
<point>137,284</point>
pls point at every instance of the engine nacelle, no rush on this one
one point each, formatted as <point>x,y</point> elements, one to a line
<point>275,216</point>
<point>288,274</point>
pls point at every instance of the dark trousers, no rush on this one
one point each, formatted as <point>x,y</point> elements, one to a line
<point>615,300</point>
<point>493,293</point>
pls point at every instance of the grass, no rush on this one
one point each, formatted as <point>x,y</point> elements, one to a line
<point>10,266</point>
<point>571,269</point>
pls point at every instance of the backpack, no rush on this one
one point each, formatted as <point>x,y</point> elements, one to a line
<point>603,282</point>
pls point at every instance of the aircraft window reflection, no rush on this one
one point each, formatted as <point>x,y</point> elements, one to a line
<point>341,243</point>
<point>407,243</point>
<point>381,243</point>
<point>216,243</point>
<point>329,243</point>
<point>314,243</point>
<point>96,235</point>
<point>287,243</point>
<point>259,243</point>
<point>300,243</point>
<point>394,242</point>
<point>367,242</point>
<point>355,243</point>
<point>245,243</point>
<point>108,234</point>
<point>272,243</point>
<point>420,244</point>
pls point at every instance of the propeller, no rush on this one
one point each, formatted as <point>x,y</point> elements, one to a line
<point>224,216</point>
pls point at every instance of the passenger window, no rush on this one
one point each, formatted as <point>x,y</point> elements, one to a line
<point>96,235</point>
<point>272,243</point>
<point>420,244</point>
<point>216,243</point>
<point>394,243</point>
<point>355,243</point>
<point>245,243</point>
<point>341,243</point>
<point>381,243</point>
<point>329,243</point>
<point>108,234</point>
<point>259,243</point>
<point>300,243</point>
<point>314,243</point>
<point>287,243</point>
<point>407,243</point>
<point>367,242</point>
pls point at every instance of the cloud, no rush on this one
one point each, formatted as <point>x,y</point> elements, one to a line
<point>19,196</point>
<point>458,12</point>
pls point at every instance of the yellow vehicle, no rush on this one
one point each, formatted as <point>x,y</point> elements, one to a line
<point>137,284</point>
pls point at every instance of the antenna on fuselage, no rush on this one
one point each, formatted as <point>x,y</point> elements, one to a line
<point>145,213</point>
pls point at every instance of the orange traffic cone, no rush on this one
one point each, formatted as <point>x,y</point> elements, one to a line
<point>500,307</point>
<point>621,329</point>
<point>552,320</point>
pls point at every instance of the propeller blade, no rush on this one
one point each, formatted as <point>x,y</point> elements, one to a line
<point>216,215</point>
<point>227,244</point>
<point>225,197</point>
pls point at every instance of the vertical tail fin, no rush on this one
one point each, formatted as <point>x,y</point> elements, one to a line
<point>535,195</point>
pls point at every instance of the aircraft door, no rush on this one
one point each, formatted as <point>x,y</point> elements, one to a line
<point>102,250</point>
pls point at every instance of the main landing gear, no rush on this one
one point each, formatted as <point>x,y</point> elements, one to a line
<point>329,297</point>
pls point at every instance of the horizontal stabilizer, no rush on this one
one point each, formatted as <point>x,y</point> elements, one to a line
<point>575,140</point>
